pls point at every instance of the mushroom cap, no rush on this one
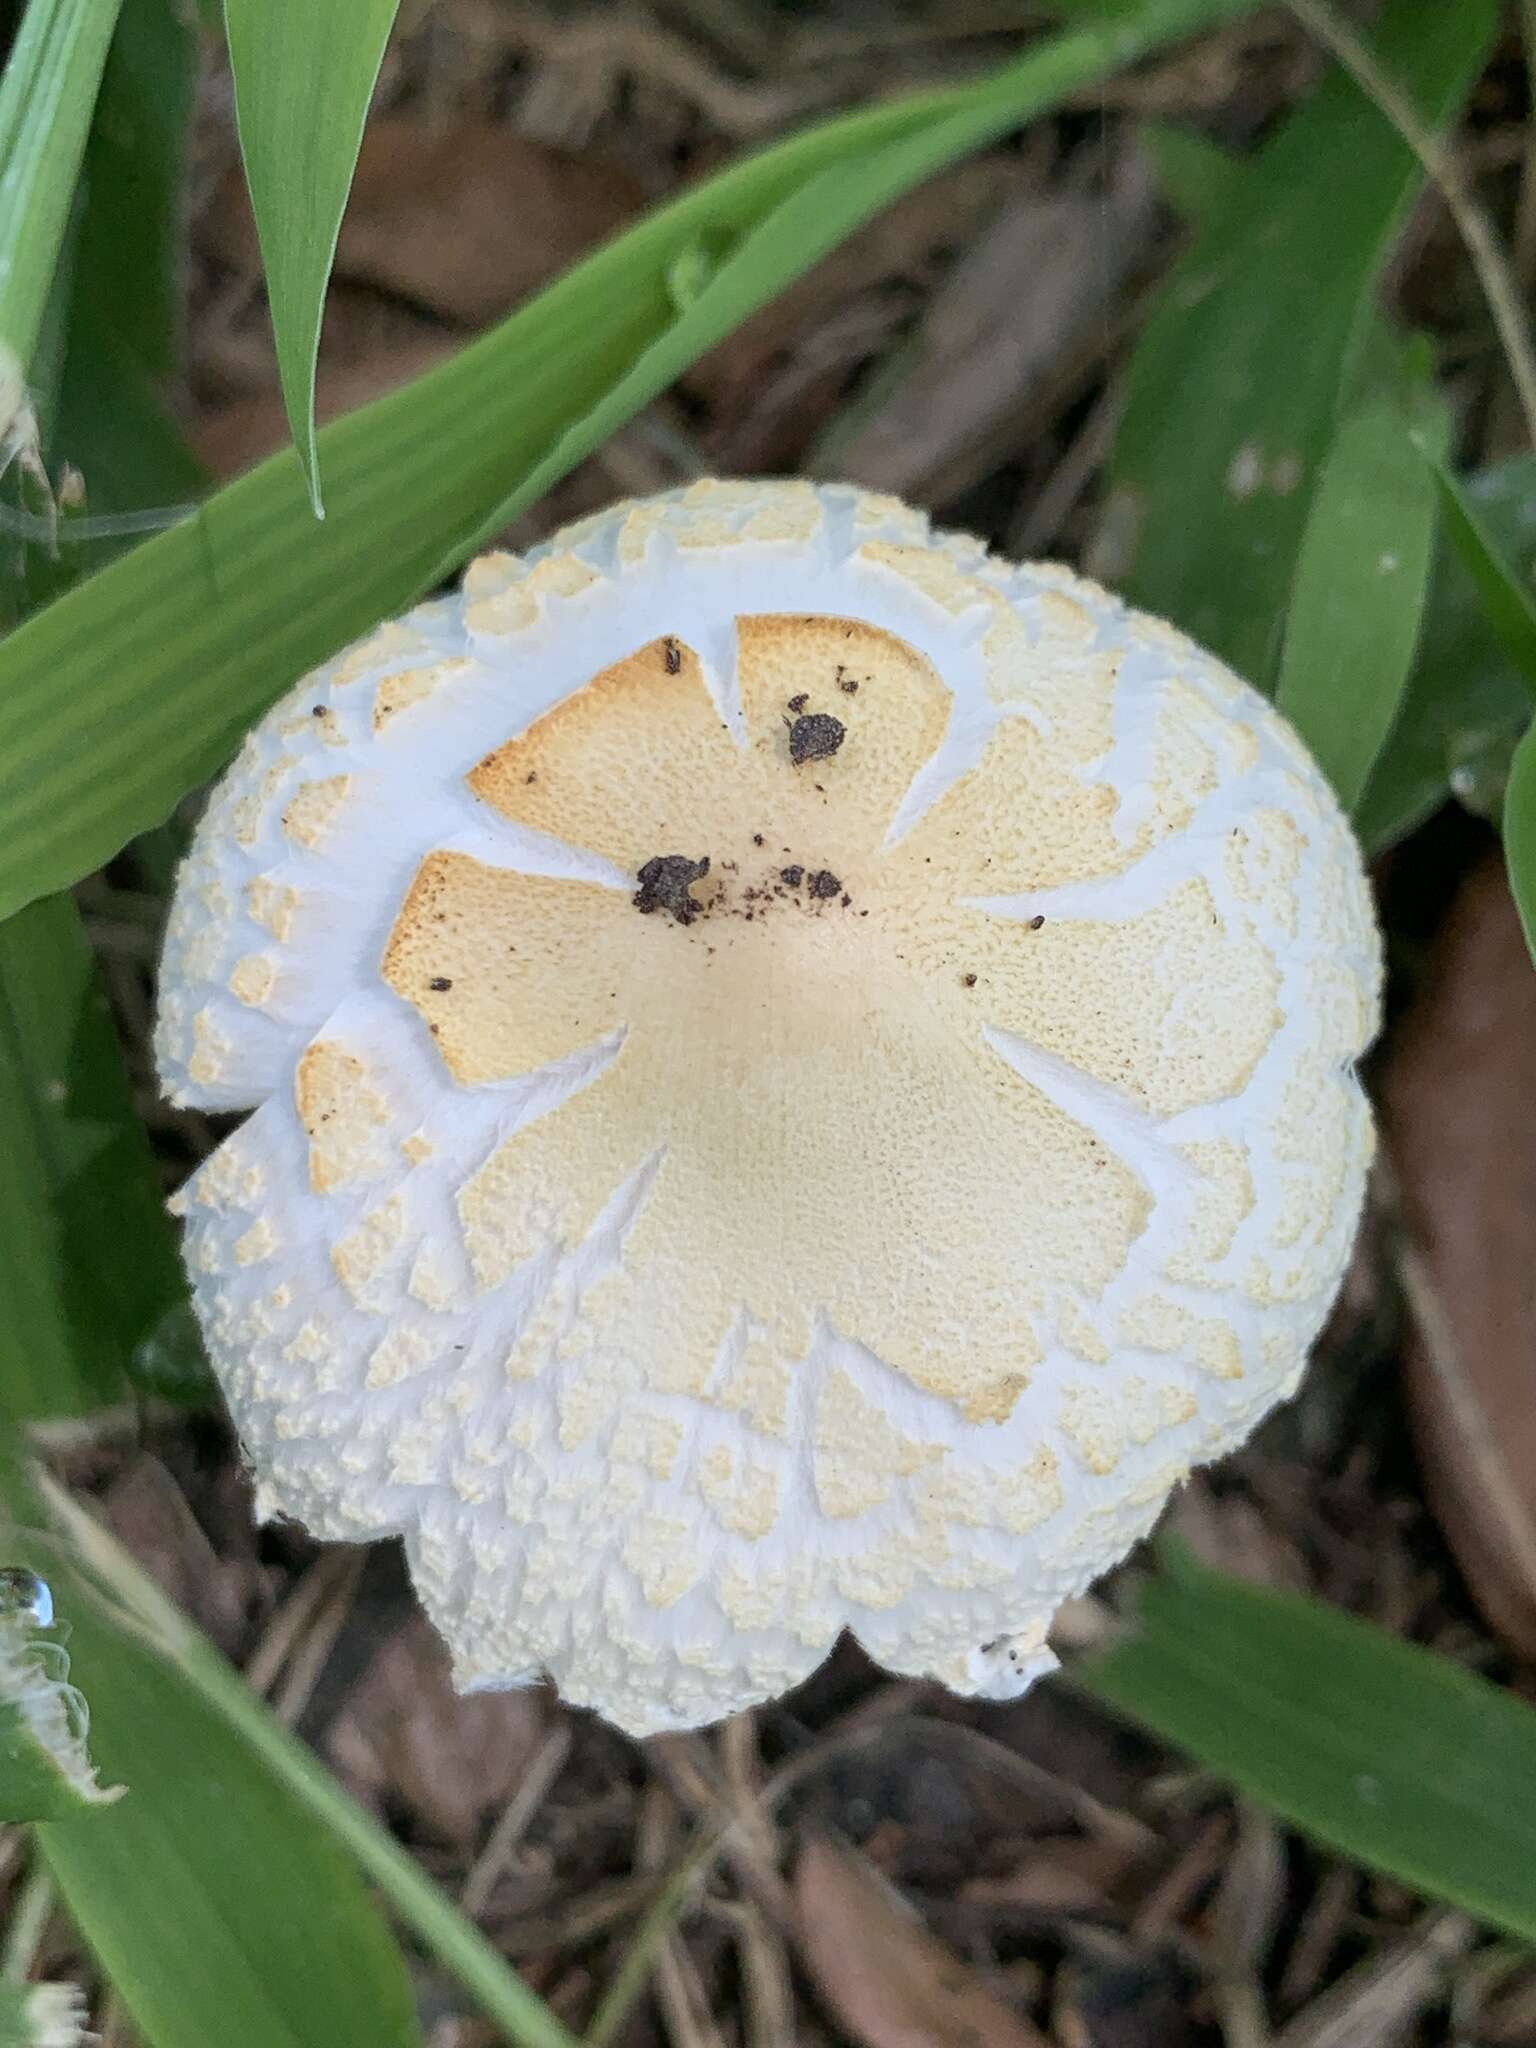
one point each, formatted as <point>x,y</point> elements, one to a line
<point>801,1077</point>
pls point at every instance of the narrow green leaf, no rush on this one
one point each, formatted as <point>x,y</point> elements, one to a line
<point>1237,381</point>
<point>1199,178</point>
<point>173,651</point>
<point>217,1777</point>
<point>1520,833</point>
<point>45,1770</point>
<point>1467,702</point>
<point>1362,572</point>
<point>1508,603</point>
<point>131,225</point>
<point>91,1285</point>
<point>1387,1753</point>
<point>304,75</point>
<point>47,92</point>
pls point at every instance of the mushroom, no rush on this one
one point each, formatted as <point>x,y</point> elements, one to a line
<point>801,1076</point>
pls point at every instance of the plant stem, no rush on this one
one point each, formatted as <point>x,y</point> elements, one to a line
<point>1444,171</point>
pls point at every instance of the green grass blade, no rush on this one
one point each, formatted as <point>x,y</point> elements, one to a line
<point>1362,573</point>
<point>1508,604</point>
<point>170,653</point>
<point>195,1687</point>
<point>1387,1753</point>
<point>1467,702</point>
<point>1238,379</point>
<point>131,224</point>
<point>1520,833</point>
<point>45,1770</point>
<point>47,92</point>
<point>218,1907</point>
<point>91,1286</point>
<point>304,75</point>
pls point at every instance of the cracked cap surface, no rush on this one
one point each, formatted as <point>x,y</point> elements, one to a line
<point>802,1075</point>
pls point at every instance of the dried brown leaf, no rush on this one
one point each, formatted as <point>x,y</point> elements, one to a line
<point>770,385</point>
<point>1459,1107</point>
<point>887,1980</point>
<point>147,1511</point>
<point>465,219</point>
<point>1383,1997</point>
<point>1040,280</point>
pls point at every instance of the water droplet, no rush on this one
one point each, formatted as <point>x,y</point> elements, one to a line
<point>23,1592</point>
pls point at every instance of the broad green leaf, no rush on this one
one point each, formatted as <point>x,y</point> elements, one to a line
<point>45,1769</point>
<point>1520,833</point>
<point>257,1843</point>
<point>1236,383</point>
<point>1197,175</point>
<point>47,92</point>
<point>171,652</point>
<point>1362,572</point>
<point>1508,604</point>
<point>131,226</point>
<point>1388,1753</point>
<point>304,75</point>
<point>1467,702</point>
<point>42,2016</point>
<point>90,1283</point>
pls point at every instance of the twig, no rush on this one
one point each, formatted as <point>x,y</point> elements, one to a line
<point>284,1632</point>
<point>1500,287</point>
<point>515,1817</point>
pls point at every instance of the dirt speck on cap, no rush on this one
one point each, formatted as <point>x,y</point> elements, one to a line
<point>794,875</point>
<point>824,884</point>
<point>799,703</point>
<point>664,884</point>
<point>815,736</point>
<point>672,655</point>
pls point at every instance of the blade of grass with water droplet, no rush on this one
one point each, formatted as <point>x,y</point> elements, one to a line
<point>218,1906</point>
<point>45,1769</point>
<point>304,75</point>
<point>263,1846</point>
<point>1386,1752</point>
<point>1238,379</point>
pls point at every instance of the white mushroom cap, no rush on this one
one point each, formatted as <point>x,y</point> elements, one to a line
<point>865,1233</point>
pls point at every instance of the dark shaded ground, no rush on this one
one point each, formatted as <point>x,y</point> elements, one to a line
<point>1081,1886</point>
